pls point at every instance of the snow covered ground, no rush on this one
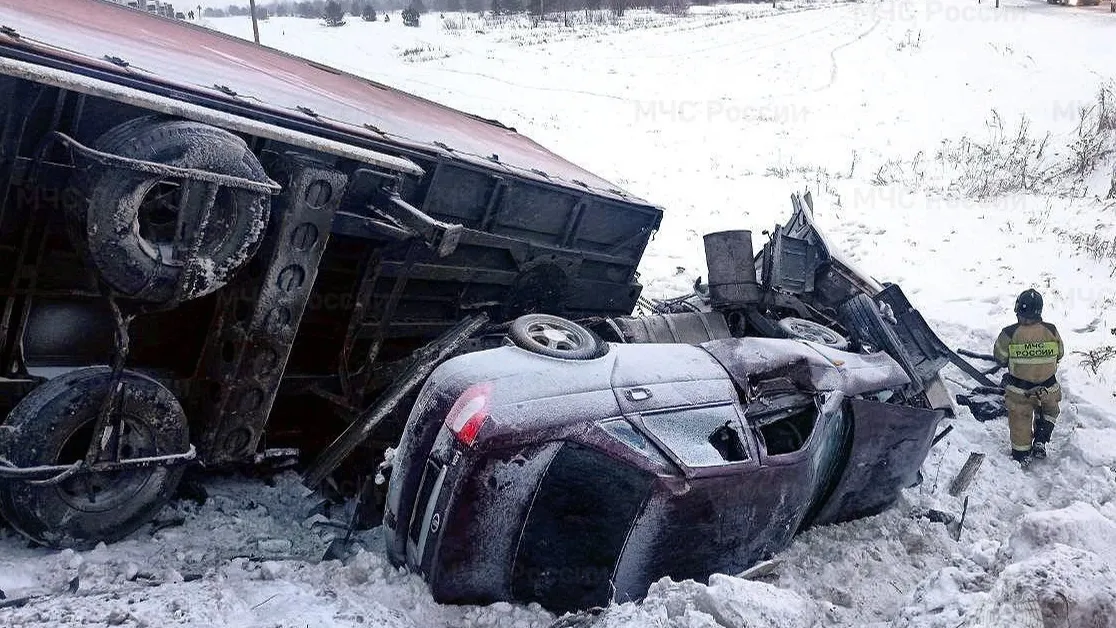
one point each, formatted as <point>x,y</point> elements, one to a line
<point>718,117</point>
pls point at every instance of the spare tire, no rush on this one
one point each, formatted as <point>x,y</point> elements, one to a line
<point>54,425</point>
<point>804,329</point>
<point>556,337</point>
<point>133,227</point>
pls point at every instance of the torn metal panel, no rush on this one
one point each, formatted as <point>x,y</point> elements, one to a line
<point>809,365</point>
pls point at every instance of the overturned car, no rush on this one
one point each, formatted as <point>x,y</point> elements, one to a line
<point>582,462</point>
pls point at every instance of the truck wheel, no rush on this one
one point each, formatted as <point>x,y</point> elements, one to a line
<point>54,424</point>
<point>130,226</point>
<point>804,329</point>
<point>861,315</point>
<point>555,337</point>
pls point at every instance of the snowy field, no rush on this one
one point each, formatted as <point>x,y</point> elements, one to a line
<point>944,144</point>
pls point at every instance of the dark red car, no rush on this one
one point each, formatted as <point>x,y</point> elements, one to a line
<point>575,472</point>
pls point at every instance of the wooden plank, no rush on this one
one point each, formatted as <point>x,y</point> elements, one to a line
<point>968,472</point>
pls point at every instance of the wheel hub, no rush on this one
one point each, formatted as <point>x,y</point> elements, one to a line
<point>160,213</point>
<point>101,492</point>
<point>554,337</point>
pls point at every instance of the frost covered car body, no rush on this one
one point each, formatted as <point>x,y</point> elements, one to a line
<point>574,483</point>
<point>588,459</point>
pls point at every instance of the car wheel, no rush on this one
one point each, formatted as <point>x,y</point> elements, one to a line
<point>863,316</point>
<point>54,424</point>
<point>804,329</point>
<point>555,337</point>
<point>132,223</point>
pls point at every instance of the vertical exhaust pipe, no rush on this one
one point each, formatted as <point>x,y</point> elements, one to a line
<point>732,268</point>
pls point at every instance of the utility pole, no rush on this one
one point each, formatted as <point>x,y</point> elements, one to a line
<point>255,26</point>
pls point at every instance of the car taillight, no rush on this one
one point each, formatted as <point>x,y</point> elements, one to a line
<point>469,413</point>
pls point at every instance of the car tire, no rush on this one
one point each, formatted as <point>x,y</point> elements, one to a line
<point>863,317</point>
<point>804,329</point>
<point>128,225</point>
<point>555,337</point>
<point>53,425</point>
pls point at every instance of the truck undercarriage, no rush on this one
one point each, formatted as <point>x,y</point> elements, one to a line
<point>265,259</point>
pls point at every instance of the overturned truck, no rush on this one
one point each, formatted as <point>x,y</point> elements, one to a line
<point>215,253</point>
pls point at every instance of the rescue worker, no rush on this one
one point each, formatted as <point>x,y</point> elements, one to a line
<point>1031,350</point>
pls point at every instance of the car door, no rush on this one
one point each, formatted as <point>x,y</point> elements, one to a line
<point>888,446</point>
<point>801,441</point>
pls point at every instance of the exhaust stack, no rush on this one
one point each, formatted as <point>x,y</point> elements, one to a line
<point>732,269</point>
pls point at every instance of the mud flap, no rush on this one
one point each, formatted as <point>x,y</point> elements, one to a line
<point>889,445</point>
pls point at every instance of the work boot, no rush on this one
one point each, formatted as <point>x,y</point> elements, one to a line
<point>1043,430</point>
<point>1038,450</point>
<point>1022,457</point>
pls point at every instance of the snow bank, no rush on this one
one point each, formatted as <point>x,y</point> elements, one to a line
<point>1097,447</point>
<point>1079,525</point>
<point>1058,568</point>
<point>246,558</point>
<point>726,602</point>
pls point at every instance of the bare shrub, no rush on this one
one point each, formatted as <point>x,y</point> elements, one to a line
<point>895,171</point>
<point>1106,107</point>
<point>672,7</point>
<point>1006,161</point>
<point>911,40</point>
<point>456,23</point>
<point>1094,359</point>
<point>1011,160</point>
<point>1099,248</point>
<point>891,171</point>
<point>1092,141</point>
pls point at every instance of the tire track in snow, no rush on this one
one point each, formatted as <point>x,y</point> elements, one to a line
<point>731,44</point>
<point>827,28</point>
<point>544,88</point>
<point>833,55</point>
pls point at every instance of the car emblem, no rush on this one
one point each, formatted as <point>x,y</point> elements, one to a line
<point>435,522</point>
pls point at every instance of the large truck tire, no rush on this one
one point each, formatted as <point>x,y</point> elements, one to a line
<point>131,226</point>
<point>53,425</point>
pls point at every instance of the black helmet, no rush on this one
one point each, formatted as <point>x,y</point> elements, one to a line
<point>1029,305</point>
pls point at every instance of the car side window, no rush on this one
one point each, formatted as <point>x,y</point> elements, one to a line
<point>790,432</point>
<point>700,437</point>
<point>784,418</point>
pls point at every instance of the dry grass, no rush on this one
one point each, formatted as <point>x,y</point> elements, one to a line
<point>1094,359</point>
